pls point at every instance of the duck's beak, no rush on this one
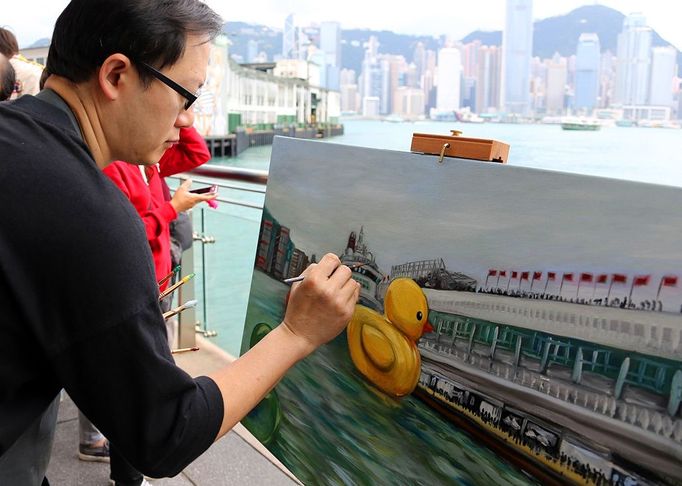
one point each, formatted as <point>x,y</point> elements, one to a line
<point>427,328</point>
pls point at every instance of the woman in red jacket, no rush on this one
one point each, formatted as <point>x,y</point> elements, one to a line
<point>144,187</point>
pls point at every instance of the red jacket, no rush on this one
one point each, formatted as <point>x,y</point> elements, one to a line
<point>148,198</point>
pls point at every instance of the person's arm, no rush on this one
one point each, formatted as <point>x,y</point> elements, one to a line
<point>123,378</point>
<point>319,308</point>
<point>189,153</point>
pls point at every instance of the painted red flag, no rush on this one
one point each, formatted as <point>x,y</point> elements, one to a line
<point>525,275</point>
<point>537,275</point>
<point>585,277</point>
<point>669,281</point>
<point>568,277</point>
<point>641,280</point>
<point>503,273</point>
<point>492,273</point>
<point>515,274</point>
<point>603,278</point>
<point>619,278</point>
<point>551,275</point>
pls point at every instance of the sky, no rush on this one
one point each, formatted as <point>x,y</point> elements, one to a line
<point>33,19</point>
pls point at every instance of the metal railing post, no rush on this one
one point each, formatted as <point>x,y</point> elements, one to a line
<point>187,320</point>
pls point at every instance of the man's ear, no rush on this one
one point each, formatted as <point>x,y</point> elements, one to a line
<point>114,74</point>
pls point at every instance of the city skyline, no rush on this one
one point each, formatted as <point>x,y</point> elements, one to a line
<point>484,15</point>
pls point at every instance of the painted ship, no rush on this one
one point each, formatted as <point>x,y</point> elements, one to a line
<point>576,393</point>
<point>368,275</point>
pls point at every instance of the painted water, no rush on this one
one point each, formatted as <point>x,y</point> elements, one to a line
<point>330,411</point>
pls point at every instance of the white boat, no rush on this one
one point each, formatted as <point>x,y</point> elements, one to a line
<point>368,275</point>
<point>580,124</point>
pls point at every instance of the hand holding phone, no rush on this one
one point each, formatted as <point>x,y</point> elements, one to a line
<point>204,190</point>
<point>185,199</point>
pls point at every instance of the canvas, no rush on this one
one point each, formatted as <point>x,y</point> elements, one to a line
<point>515,325</point>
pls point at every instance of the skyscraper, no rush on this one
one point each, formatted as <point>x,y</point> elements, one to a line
<point>557,73</point>
<point>330,58</point>
<point>663,61</point>
<point>330,42</point>
<point>517,46</point>
<point>289,38</point>
<point>372,80</point>
<point>449,79</point>
<point>419,58</point>
<point>588,59</point>
<point>634,61</point>
<point>488,79</point>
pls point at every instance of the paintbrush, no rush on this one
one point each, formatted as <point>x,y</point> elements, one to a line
<point>301,277</point>
<point>184,350</point>
<point>187,305</point>
<point>177,284</point>
<point>169,276</point>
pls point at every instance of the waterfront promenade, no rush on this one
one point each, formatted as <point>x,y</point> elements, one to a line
<point>236,459</point>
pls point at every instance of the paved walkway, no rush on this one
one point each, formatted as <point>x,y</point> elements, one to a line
<point>236,459</point>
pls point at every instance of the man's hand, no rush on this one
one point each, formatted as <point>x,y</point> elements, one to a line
<point>321,306</point>
<point>184,200</point>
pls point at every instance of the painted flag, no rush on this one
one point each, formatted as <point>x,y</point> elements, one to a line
<point>537,275</point>
<point>503,273</point>
<point>551,275</point>
<point>568,277</point>
<point>641,280</point>
<point>515,274</point>
<point>619,278</point>
<point>603,278</point>
<point>585,277</point>
<point>492,273</point>
<point>525,275</point>
<point>669,281</point>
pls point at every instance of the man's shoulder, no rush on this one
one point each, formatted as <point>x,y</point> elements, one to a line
<point>30,107</point>
<point>37,135</point>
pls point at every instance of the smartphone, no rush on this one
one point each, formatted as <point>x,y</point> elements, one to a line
<point>204,190</point>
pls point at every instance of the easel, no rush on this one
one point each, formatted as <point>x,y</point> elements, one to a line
<point>460,147</point>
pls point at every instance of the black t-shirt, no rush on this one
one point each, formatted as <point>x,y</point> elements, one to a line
<point>79,302</point>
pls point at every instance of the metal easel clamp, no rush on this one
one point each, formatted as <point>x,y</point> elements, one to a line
<point>442,152</point>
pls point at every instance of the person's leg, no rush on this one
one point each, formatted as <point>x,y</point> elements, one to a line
<point>92,445</point>
<point>122,473</point>
<point>27,460</point>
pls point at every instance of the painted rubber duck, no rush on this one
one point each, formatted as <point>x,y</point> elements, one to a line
<point>383,347</point>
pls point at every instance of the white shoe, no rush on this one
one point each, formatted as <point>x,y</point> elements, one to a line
<point>143,483</point>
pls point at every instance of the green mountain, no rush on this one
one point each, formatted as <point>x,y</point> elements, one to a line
<point>560,34</point>
<point>555,34</point>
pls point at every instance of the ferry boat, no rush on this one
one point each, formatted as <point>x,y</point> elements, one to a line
<point>368,275</point>
<point>580,124</point>
<point>568,405</point>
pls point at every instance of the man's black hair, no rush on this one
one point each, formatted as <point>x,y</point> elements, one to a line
<point>7,78</point>
<point>149,31</point>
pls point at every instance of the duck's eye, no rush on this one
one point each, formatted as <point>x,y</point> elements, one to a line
<point>419,315</point>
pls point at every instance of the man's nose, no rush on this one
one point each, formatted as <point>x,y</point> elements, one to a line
<point>185,119</point>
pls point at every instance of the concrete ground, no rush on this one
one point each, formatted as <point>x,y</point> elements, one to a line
<point>236,459</point>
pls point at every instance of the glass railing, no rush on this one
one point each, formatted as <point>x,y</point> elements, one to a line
<point>222,255</point>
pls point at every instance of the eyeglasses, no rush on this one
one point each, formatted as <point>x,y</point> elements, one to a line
<point>185,93</point>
